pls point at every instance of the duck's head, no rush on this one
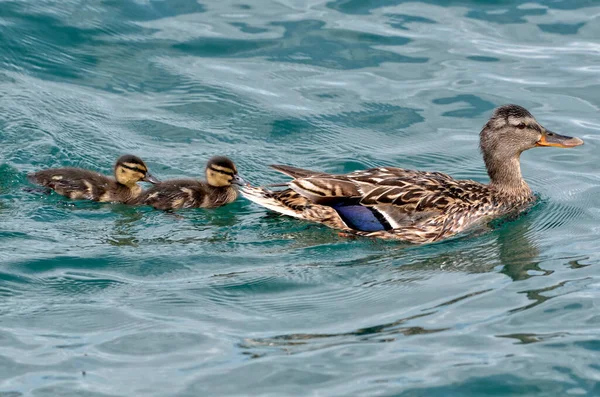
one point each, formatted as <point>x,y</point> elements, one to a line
<point>221,172</point>
<point>130,169</point>
<point>510,131</point>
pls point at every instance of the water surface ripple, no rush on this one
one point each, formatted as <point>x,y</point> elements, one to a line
<point>107,300</point>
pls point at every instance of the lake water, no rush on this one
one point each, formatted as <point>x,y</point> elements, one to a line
<point>109,300</point>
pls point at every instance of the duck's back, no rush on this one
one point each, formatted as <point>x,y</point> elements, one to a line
<point>77,183</point>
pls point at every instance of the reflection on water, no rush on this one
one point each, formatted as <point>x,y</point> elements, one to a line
<point>296,343</point>
<point>514,253</point>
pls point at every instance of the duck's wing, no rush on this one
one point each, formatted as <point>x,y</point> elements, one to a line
<point>377,186</point>
<point>389,198</point>
<point>323,188</point>
<point>376,200</point>
<point>410,199</point>
<point>327,189</point>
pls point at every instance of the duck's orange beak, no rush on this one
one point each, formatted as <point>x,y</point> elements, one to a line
<point>550,138</point>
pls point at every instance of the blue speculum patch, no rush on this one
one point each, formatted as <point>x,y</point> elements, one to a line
<point>359,217</point>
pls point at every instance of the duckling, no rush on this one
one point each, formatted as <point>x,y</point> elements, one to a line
<point>218,190</point>
<point>418,206</point>
<point>77,183</point>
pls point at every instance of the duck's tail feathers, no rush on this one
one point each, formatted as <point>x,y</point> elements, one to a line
<point>294,172</point>
<point>268,199</point>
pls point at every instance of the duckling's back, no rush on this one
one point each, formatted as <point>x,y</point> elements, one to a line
<point>77,183</point>
<point>186,193</point>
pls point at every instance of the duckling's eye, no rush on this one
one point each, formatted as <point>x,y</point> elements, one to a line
<point>521,126</point>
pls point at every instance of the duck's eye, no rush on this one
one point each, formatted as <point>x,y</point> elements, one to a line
<point>521,126</point>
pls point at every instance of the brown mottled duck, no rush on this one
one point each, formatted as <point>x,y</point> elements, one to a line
<point>418,206</point>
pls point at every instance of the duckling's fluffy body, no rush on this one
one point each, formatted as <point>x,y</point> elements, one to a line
<point>216,191</point>
<point>186,193</point>
<point>418,206</point>
<point>78,183</point>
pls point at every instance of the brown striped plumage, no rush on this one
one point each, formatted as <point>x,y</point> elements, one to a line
<point>418,206</point>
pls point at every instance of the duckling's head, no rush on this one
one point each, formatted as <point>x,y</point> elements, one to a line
<point>130,169</point>
<point>221,172</point>
<point>510,131</point>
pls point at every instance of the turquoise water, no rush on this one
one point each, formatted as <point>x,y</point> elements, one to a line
<point>109,300</point>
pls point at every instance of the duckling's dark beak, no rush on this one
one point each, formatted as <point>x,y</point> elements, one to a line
<point>550,138</point>
<point>150,178</point>
<point>238,180</point>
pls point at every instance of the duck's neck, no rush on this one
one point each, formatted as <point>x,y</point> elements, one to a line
<point>133,188</point>
<point>221,195</point>
<point>505,176</point>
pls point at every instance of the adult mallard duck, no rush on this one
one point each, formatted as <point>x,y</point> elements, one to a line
<point>218,190</point>
<point>418,206</point>
<point>78,183</point>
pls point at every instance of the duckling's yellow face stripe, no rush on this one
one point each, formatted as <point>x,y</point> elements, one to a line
<point>135,167</point>
<point>224,170</point>
<point>129,174</point>
<point>219,177</point>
